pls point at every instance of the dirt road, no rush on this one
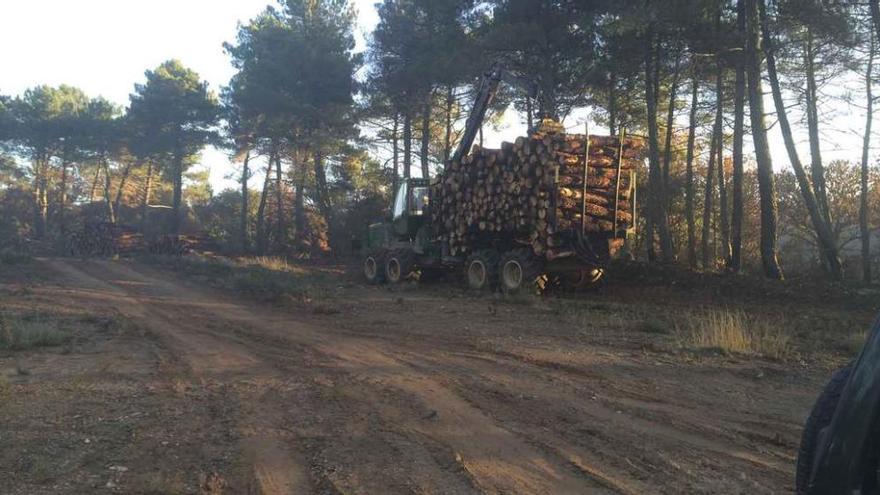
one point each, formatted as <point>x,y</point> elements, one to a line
<point>415,394</point>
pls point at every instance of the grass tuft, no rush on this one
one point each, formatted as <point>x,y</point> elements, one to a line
<point>28,332</point>
<point>734,332</point>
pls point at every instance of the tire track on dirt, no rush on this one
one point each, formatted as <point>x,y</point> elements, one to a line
<point>497,460</point>
<point>276,469</point>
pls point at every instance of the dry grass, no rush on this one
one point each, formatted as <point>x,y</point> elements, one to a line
<point>735,332</point>
<point>274,263</point>
<point>27,332</point>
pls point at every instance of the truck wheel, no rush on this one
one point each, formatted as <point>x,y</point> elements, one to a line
<point>399,266</point>
<point>374,268</point>
<point>481,270</point>
<point>819,419</point>
<point>520,272</point>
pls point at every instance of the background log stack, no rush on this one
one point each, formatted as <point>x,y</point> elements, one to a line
<point>536,191</point>
<point>179,245</point>
<point>105,239</point>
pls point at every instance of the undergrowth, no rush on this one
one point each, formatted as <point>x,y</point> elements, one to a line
<point>19,333</point>
<point>734,332</point>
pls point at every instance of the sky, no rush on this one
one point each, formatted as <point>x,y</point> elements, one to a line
<point>104,47</point>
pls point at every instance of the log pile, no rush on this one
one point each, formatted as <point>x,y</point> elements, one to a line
<point>537,191</point>
<point>179,245</point>
<point>105,239</point>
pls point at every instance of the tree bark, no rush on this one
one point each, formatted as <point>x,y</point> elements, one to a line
<point>62,200</point>
<point>766,183</point>
<point>817,170</point>
<point>322,195</point>
<point>447,140</point>
<point>126,173</point>
<point>426,137</point>
<point>719,124</point>
<point>111,213</point>
<point>875,15</point>
<point>94,188</point>
<point>827,246</point>
<point>689,177</point>
<point>735,265</point>
<point>407,144</point>
<point>863,183</point>
<point>280,225</point>
<point>148,190</point>
<point>42,179</point>
<point>262,244</point>
<point>709,197</point>
<point>657,197</point>
<point>177,197</point>
<point>299,214</point>
<point>670,120</point>
<point>395,147</point>
<point>612,104</point>
<point>245,201</point>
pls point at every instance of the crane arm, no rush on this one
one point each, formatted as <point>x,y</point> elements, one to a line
<point>485,96</point>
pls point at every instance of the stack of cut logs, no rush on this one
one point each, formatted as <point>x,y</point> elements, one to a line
<point>178,245</point>
<point>105,239</point>
<point>537,190</point>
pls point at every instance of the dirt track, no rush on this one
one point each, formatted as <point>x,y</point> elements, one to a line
<point>364,402</point>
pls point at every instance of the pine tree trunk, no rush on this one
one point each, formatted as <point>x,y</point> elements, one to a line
<point>177,198</point>
<point>866,147</point>
<point>709,197</point>
<point>719,125</point>
<point>94,189</point>
<point>426,137</point>
<point>126,173</point>
<point>612,105</point>
<point>875,15</point>
<point>245,200</point>
<point>530,118</point>
<point>322,195</point>
<point>407,144</point>
<point>817,170</point>
<point>657,198</point>
<point>262,240</point>
<point>689,179</point>
<point>766,183</point>
<point>111,213</point>
<point>670,120</point>
<point>827,246</point>
<point>738,132</point>
<point>395,147</point>
<point>62,200</point>
<point>299,214</point>
<point>41,212</point>
<point>148,191</point>
<point>447,140</point>
<point>280,225</point>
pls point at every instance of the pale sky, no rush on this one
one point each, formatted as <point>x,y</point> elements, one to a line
<point>104,47</point>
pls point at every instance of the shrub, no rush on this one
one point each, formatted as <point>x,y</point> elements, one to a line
<point>20,333</point>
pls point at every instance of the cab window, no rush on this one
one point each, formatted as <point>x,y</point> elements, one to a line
<point>419,200</point>
<point>400,201</point>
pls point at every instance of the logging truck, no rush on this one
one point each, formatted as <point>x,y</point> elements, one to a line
<point>550,209</point>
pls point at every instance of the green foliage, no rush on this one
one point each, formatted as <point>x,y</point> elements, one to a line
<point>19,333</point>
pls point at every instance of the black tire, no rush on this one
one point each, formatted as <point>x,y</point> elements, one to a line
<point>520,271</point>
<point>481,270</point>
<point>374,268</point>
<point>399,266</point>
<point>819,419</point>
